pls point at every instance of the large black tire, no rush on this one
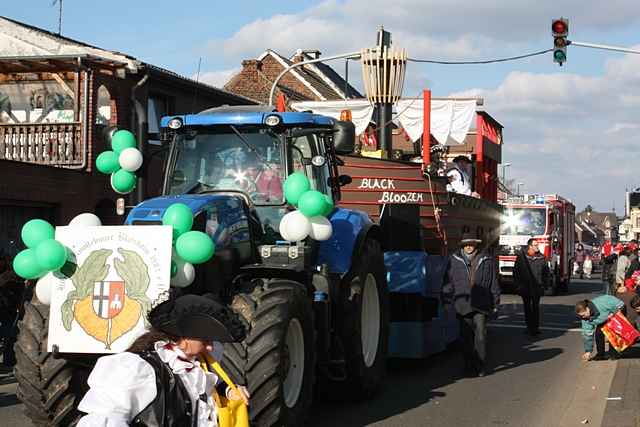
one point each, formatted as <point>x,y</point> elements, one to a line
<point>49,387</point>
<point>262,360</point>
<point>365,371</point>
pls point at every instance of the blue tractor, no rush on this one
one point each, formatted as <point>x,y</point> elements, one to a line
<point>316,312</point>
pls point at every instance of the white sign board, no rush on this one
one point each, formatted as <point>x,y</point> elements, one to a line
<point>514,240</point>
<point>116,275</point>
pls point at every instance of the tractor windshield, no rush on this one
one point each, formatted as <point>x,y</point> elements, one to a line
<point>222,160</point>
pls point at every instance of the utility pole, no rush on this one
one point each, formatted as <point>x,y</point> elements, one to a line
<point>504,181</point>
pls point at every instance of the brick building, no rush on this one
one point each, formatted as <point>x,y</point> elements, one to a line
<point>57,96</point>
<point>314,82</point>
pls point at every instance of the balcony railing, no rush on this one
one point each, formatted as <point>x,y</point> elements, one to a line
<point>53,144</point>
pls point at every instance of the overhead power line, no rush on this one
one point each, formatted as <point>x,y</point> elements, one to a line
<point>487,61</point>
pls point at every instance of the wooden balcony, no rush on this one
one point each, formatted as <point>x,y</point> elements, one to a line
<point>53,144</point>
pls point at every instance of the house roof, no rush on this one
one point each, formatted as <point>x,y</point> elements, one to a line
<point>26,43</point>
<point>320,79</point>
<point>329,76</point>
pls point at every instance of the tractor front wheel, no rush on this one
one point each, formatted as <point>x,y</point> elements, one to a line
<point>277,357</point>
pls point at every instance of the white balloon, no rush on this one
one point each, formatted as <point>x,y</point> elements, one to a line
<point>44,288</point>
<point>294,226</point>
<point>86,220</point>
<point>321,228</point>
<point>130,159</point>
<point>185,275</point>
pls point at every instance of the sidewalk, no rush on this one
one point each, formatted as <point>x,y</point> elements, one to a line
<point>626,385</point>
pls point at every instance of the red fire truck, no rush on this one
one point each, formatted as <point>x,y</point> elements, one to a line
<point>550,220</point>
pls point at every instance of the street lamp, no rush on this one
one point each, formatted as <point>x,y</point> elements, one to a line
<point>519,184</point>
<point>504,167</point>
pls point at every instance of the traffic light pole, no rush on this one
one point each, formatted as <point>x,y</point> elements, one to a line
<point>604,47</point>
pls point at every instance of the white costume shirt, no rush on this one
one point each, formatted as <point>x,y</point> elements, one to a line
<point>124,384</point>
<point>459,182</point>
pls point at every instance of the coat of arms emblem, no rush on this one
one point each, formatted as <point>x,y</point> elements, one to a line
<point>107,309</point>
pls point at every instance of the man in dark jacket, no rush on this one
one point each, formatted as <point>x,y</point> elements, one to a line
<point>531,275</point>
<point>472,286</point>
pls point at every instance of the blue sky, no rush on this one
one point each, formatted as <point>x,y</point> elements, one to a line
<point>569,130</point>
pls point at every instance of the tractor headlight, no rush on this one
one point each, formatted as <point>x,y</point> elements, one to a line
<point>273,120</point>
<point>175,123</point>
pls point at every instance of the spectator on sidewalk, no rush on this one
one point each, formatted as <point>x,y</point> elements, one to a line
<point>588,266</point>
<point>622,266</point>
<point>580,256</point>
<point>594,314</point>
<point>634,267</point>
<point>472,287</point>
<point>531,276</point>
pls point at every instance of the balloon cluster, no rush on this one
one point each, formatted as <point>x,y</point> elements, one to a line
<point>121,162</point>
<point>313,208</point>
<point>45,284</point>
<point>43,254</point>
<point>190,247</point>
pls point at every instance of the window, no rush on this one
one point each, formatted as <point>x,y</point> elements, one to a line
<point>302,151</point>
<point>38,98</point>
<point>103,105</point>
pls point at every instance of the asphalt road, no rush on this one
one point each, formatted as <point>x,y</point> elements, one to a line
<point>539,382</point>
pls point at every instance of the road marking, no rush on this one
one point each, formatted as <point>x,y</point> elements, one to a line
<point>542,328</point>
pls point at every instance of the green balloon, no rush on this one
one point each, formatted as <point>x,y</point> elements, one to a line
<point>107,162</point>
<point>26,265</point>
<point>123,181</point>
<point>51,255</point>
<point>295,186</point>
<point>312,203</point>
<point>195,247</point>
<point>174,268</point>
<point>180,217</point>
<point>328,205</point>
<point>123,139</point>
<point>36,231</point>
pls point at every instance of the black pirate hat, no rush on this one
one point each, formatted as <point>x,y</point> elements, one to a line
<point>469,239</point>
<point>194,316</point>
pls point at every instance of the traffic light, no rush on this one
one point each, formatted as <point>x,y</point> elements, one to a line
<point>560,31</point>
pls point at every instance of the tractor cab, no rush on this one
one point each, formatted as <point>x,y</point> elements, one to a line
<point>249,152</point>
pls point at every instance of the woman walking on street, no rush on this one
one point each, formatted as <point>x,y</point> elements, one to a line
<point>159,380</point>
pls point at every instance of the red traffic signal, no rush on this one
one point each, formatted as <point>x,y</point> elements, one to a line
<point>560,27</point>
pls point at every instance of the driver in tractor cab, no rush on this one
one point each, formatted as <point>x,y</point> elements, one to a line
<point>267,178</point>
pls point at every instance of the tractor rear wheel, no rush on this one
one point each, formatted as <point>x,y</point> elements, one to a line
<point>364,328</point>
<point>49,387</point>
<point>277,357</point>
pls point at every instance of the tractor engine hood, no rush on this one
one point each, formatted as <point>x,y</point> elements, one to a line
<point>224,217</point>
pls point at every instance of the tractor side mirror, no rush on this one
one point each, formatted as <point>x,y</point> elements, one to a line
<point>344,137</point>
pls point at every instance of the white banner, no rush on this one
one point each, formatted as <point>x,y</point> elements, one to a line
<point>116,275</point>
